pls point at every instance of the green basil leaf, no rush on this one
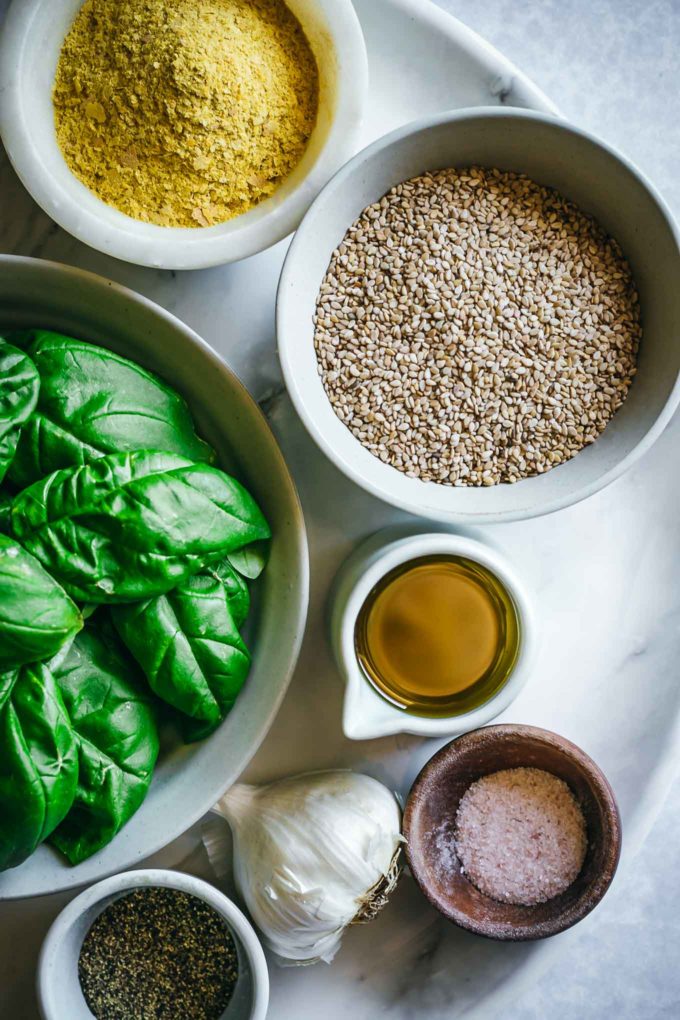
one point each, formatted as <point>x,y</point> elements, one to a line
<point>93,402</point>
<point>7,682</point>
<point>38,764</point>
<point>117,740</point>
<point>251,560</point>
<point>193,730</point>
<point>5,507</point>
<point>189,647</point>
<point>134,525</point>
<point>19,387</point>
<point>236,590</point>
<point>36,614</point>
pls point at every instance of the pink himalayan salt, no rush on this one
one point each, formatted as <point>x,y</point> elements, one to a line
<point>520,836</point>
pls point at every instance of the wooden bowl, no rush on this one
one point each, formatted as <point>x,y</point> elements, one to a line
<point>434,800</point>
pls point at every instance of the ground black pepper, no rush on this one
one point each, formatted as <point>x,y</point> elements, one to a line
<point>158,954</point>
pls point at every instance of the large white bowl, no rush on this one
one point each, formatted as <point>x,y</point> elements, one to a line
<point>557,154</point>
<point>29,51</point>
<point>59,992</point>
<point>188,779</point>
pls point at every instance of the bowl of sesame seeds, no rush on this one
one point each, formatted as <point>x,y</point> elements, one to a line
<point>478,318</point>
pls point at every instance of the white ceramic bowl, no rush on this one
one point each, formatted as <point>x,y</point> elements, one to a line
<point>554,153</point>
<point>29,50</point>
<point>59,992</point>
<point>365,713</point>
<point>188,779</point>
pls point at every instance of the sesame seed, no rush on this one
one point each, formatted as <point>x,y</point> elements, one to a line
<point>475,327</point>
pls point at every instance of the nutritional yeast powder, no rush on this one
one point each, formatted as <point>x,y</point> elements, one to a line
<point>184,113</point>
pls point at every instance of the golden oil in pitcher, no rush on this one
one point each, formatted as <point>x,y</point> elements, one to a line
<point>438,635</point>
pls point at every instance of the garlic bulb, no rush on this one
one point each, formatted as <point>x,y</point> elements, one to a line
<point>313,854</point>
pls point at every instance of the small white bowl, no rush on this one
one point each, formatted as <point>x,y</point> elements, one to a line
<point>59,992</point>
<point>554,153</point>
<point>366,714</point>
<point>29,51</point>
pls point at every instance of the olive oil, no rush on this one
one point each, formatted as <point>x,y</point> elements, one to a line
<point>438,636</point>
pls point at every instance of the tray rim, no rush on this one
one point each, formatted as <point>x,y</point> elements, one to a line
<point>485,52</point>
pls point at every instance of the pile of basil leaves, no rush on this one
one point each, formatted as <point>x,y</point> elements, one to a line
<point>123,558</point>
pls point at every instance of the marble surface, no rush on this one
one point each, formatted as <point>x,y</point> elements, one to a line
<point>605,572</point>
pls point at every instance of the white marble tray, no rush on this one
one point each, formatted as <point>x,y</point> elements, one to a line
<point>603,572</point>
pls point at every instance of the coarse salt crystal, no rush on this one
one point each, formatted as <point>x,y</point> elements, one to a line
<point>519,834</point>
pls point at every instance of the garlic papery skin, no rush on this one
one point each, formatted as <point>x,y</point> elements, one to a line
<point>313,854</point>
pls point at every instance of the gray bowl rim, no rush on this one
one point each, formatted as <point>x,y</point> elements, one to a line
<point>290,270</point>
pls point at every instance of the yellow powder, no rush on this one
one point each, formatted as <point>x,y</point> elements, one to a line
<point>184,113</point>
